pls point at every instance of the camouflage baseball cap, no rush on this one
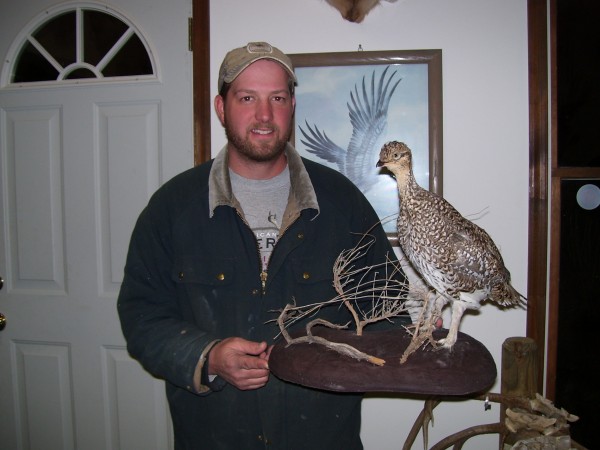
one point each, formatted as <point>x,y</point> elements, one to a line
<point>238,59</point>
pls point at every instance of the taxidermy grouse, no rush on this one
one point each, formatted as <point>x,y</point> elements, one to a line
<point>453,255</point>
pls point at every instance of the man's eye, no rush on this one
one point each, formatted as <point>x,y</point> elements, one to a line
<point>279,99</point>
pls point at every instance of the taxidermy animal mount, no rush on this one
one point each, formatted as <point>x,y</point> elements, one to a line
<point>355,10</point>
<point>454,256</point>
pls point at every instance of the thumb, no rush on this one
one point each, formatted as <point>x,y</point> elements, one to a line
<point>255,348</point>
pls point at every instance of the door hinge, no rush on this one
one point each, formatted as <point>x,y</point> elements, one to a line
<point>190,34</point>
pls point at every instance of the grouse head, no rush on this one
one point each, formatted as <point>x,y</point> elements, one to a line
<point>396,157</point>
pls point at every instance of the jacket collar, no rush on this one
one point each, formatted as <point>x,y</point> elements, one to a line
<point>302,194</point>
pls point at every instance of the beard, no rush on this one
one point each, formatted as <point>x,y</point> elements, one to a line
<point>254,152</point>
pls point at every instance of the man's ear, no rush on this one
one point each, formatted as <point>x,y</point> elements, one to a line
<point>220,109</point>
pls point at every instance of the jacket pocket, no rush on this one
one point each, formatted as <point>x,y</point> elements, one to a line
<point>213,272</point>
<point>313,270</point>
<point>314,284</point>
<point>205,291</point>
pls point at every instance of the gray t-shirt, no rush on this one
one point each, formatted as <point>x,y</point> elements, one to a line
<point>263,203</point>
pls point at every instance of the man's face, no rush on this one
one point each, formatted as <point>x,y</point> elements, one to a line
<point>257,112</point>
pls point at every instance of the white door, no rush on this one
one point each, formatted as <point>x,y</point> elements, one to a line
<point>78,161</point>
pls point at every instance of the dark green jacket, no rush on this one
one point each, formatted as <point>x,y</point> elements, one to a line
<point>192,277</point>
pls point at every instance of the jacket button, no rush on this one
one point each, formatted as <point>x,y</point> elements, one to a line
<point>264,439</point>
<point>221,276</point>
<point>306,275</point>
<point>254,292</point>
<point>180,275</point>
<point>300,235</point>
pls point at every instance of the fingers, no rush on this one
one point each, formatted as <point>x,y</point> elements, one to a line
<point>241,363</point>
<point>269,351</point>
<point>267,354</point>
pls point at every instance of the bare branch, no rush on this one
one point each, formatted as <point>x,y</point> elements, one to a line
<point>370,293</point>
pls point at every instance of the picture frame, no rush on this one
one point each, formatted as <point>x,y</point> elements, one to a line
<point>348,104</point>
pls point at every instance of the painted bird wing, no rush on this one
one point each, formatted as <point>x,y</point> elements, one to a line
<point>367,110</point>
<point>319,144</point>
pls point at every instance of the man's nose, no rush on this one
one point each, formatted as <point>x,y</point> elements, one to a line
<point>264,111</point>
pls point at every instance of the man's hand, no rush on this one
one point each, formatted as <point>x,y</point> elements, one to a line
<point>242,363</point>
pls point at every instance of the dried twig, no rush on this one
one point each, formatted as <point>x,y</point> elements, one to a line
<point>536,415</point>
<point>541,416</point>
<point>422,330</point>
<point>370,293</point>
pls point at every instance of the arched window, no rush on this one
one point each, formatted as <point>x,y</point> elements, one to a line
<point>91,42</point>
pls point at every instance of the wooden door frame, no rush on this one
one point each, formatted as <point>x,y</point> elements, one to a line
<point>200,45</point>
<point>537,273</point>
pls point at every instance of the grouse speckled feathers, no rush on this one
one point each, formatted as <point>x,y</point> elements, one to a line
<point>457,258</point>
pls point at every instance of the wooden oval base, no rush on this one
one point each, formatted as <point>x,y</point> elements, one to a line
<point>465,370</point>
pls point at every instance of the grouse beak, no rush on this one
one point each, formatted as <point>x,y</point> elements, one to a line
<point>380,163</point>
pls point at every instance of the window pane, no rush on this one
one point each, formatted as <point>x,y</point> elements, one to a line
<point>100,32</point>
<point>579,291</point>
<point>578,46</point>
<point>32,66</point>
<point>131,60</point>
<point>57,36</point>
<point>80,73</point>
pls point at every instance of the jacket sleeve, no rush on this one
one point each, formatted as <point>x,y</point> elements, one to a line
<point>337,193</point>
<point>380,255</point>
<point>365,219</point>
<point>384,252</point>
<point>167,346</point>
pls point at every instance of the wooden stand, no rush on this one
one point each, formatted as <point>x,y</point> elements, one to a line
<point>315,366</point>
<point>466,370</point>
<point>519,376</point>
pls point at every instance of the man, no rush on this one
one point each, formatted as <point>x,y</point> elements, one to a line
<point>222,246</point>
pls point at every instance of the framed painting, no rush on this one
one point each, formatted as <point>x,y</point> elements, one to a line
<point>349,104</point>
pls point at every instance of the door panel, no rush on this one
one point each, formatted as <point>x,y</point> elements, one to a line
<point>35,200</point>
<point>77,165</point>
<point>43,395</point>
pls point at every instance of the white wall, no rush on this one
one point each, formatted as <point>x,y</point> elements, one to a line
<point>484,44</point>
